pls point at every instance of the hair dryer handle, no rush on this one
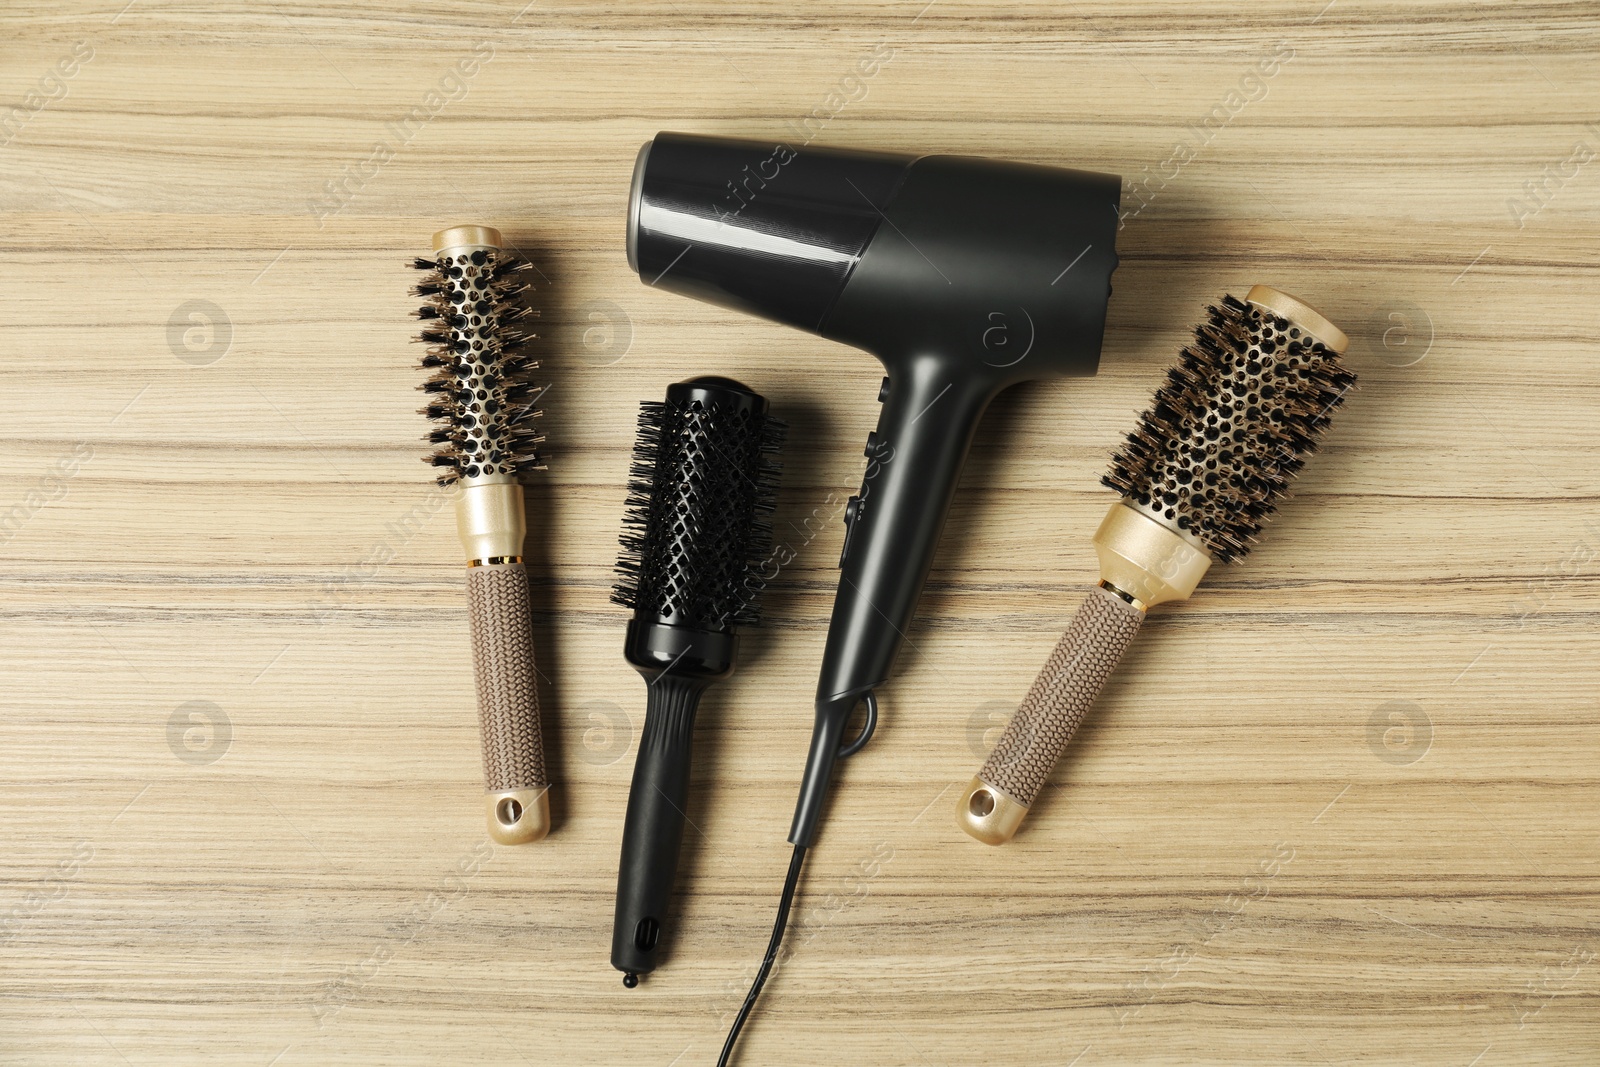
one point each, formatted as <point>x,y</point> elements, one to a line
<point>891,533</point>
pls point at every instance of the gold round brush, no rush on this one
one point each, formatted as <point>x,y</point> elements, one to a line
<point>480,397</point>
<point>1206,466</point>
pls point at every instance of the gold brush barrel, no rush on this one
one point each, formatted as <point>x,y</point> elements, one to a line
<point>1146,558</point>
<point>491,522</point>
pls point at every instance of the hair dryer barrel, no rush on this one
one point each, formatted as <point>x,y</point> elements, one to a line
<point>760,228</point>
<point>962,275</point>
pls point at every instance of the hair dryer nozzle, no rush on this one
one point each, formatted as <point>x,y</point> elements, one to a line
<point>755,226</point>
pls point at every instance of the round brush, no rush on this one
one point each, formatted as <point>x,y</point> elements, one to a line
<point>1206,466</point>
<point>483,404</point>
<point>696,534</point>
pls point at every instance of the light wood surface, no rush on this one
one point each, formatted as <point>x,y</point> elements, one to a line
<point>1243,859</point>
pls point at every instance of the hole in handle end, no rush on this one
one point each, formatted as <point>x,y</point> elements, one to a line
<point>518,816</point>
<point>989,813</point>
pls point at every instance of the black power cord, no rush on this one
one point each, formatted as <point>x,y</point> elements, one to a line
<point>778,927</point>
<point>787,899</point>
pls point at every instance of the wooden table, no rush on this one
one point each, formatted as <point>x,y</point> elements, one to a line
<point>1338,808</point>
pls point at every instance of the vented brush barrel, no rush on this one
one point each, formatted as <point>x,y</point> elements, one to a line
<point>702,485</point>
<point>1207,466</point>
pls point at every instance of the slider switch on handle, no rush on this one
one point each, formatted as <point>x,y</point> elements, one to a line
<point>852,508</point>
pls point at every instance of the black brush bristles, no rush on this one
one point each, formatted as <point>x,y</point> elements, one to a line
<point>1230,427</point>
<point>698,532</point>
<point>479,391</point>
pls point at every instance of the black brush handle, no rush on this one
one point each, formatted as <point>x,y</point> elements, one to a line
<point>653,831</point>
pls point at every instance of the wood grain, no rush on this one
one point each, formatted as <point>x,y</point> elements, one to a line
<point>321,892</point>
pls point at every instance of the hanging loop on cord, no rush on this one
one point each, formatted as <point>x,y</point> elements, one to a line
<point>866,729</point>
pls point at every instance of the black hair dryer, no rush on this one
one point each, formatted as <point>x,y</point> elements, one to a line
<point>962,275</point>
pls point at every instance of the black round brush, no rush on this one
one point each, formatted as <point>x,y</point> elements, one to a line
<point>704,479</point>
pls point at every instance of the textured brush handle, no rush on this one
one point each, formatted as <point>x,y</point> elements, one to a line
<point>1062,694</point>
<point>652,831</point>
<point>508,702</point>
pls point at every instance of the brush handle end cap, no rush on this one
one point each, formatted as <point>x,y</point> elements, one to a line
<point>988,813</point>
<point>518,816</point>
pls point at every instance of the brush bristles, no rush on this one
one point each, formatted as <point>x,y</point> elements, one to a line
<point>697,532</point>
<point>477,364</point>
<point>1231,426</point>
